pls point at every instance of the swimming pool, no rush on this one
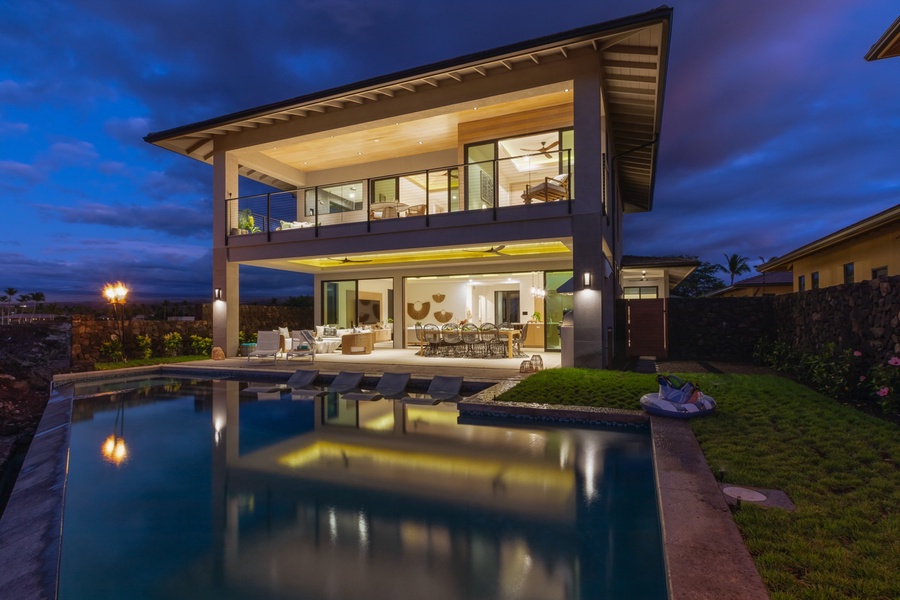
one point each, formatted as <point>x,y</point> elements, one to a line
<point>224,494</point>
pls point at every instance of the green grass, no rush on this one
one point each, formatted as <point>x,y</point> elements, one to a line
<point>145,362</point>
<point>839,466</point>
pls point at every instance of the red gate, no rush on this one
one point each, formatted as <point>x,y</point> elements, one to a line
<point>647,328</point>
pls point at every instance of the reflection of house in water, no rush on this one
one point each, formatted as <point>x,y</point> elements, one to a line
<point>386,500</point>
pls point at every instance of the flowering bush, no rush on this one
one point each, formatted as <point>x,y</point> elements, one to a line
<point>172,343</point>
<point>112,350</point>
<point>884,380</point>
<point>201,345</point>
<point>145,345</point>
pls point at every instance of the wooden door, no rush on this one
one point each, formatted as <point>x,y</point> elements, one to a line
<point>647,328</point>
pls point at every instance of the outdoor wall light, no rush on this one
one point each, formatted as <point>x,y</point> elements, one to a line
<point>217,294</point>
<point>586,278</point>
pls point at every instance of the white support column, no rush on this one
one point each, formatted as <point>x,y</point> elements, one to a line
<point>226,311</point>
<point>399,312</point>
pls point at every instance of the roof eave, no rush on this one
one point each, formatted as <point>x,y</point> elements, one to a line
<point>888,45</point>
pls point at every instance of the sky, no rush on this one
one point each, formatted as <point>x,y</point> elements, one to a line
<point>775,132</point>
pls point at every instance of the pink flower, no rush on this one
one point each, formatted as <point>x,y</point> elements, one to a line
<point>857,353</point>
<point>895,361</point>
<point>862,377</point>
<point>884,391</point>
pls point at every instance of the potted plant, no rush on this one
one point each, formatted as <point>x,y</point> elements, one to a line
<point>246,223</point>
<point>536,316</point>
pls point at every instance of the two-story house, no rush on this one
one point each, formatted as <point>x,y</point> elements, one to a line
<point>449,191</point>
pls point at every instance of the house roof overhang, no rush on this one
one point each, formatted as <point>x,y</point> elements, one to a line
<point>633,56</point>
<point>678,267</point>
<point>885,218</point>
<point>888,45</point>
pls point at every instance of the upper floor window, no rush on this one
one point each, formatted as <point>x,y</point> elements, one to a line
<point>879,272</point>
<point>801,283</point>
<point>848,273</point>
<point>814,280</point>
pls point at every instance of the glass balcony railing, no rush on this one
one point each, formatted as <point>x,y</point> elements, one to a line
<point>488,185</point>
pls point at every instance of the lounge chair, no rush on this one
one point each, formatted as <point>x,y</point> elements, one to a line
<point>391,386</point>
<point>299,339</point>
<point>268,344</point>
<point>345,381</point>
<point>441,389</point>
<point>553,188</point>
<point>302,378</point>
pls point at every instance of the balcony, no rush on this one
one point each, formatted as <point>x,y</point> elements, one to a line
<point>487,186</point>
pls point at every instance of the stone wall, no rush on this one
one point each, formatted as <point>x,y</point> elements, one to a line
<point>862,316</point>
<point>718,328</point>
<point>89,334</point>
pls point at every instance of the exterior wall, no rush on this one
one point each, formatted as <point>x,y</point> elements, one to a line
<point>864,316</point>
<point>870,251</point>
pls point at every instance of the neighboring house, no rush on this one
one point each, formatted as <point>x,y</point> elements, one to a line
<point>865,250</point>
<point>449,191</point>
<point>888,45</point>
<point>766,284</point>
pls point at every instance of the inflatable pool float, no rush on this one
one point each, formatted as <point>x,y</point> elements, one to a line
<point>653,404</point>
<point>676,398</point>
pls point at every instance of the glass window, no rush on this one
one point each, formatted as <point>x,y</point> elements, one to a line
<point>339,303</point>
<point>848,273</point>
<point>801,283</point>
<point>879,272</point>
<point>641,292</point>
<point>814,280</point>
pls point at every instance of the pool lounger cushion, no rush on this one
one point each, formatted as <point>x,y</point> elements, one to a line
<point>345,381</point>
<point>441,389</point>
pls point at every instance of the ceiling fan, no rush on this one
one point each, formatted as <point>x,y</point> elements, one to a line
<point>544,149</point>
<point>492,250</point>
<point>346,260</point>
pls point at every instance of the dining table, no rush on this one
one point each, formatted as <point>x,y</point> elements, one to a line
<point>510,335</point>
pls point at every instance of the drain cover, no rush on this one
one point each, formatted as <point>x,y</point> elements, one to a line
<point>744,494</point>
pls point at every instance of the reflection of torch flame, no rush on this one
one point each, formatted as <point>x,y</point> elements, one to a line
<point>114,450</point>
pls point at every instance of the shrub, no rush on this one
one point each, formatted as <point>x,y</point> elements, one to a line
<point>201,345</point>
<point>145,345</point>
<point>884,381</point>
<point>112,350</point>
<point>172,342</point>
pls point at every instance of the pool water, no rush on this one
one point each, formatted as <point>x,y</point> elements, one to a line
<point>216,493</point>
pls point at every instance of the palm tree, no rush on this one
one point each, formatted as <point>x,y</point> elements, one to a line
<point>36,298</point>
<point>3,300</point>
<point>735,265</point>
<point>24,299</point>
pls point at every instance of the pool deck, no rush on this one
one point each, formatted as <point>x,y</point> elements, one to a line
<point>705,555</point>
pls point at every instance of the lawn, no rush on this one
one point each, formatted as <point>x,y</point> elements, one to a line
<point>840,467</point>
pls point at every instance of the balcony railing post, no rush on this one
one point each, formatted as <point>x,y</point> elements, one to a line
<point>316,208</point>
<point>269,217</point>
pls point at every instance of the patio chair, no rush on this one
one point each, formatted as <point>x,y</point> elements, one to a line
<point>441,389</point>
<point>432,335</point>
<point>552,189</point>
<point>299,339</point>
<point>471,337</point>
<point>451,341</point>
<point>416,210</point>
<point>345,381</point>
<point>519,343</point>
<point>391,386</point>
<point>268,344</point>
<point>495,344</point>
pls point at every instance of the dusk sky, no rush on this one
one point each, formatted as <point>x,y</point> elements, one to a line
<point>775,131</point>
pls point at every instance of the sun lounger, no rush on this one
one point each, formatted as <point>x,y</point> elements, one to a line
<point>268,345</point>
<point>391,386</point>
<point>345,381</point>
<point>441,389</point>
